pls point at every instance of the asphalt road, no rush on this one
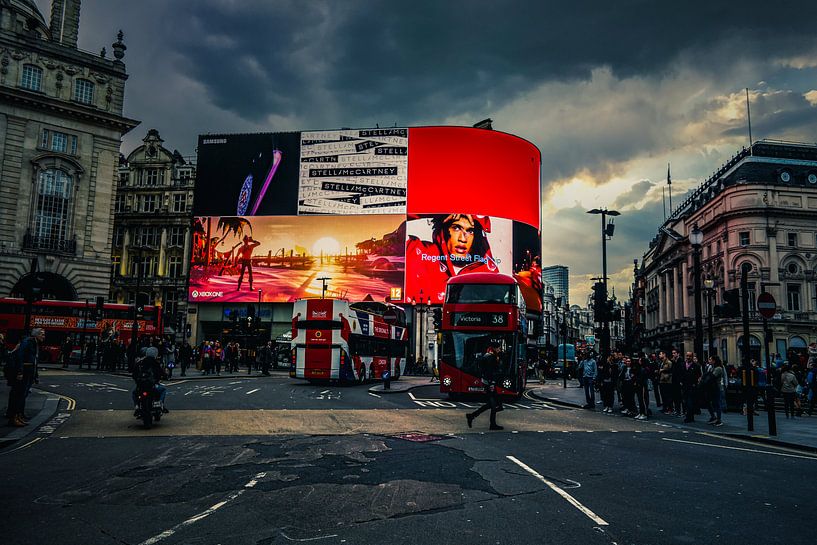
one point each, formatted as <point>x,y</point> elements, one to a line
<point>349,467</point>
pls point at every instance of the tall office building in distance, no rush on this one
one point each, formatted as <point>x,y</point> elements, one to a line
<point>556,277</point>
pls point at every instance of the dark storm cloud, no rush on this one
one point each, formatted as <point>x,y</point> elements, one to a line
<point>635,195</point>
<point>408,61</point>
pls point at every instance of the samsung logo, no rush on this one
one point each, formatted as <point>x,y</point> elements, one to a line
<point>319,314</point>
<point>214,141</point>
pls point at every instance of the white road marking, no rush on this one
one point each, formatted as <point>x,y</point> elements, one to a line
<point>375,395</point>
<point>252,391</point>
<point>570,499</point>
<point>325,392</point>
<point>739,448</point>
<point>204,514</point>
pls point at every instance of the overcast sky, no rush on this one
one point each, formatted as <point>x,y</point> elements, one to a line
<point>610,92</point>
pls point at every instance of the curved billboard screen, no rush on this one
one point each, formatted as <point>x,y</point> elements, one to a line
<point>363,213</point>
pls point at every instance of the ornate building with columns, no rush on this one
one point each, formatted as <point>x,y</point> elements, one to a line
<point>153,216</point>
<point>759,209</point>
<point>61,124</point>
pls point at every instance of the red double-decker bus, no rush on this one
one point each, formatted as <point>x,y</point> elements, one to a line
<point>333,339</point>
<point>481,308</point>
<point>62,319</point>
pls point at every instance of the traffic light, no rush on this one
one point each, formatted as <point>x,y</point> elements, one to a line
<point>99,311</point>
<point>599,302</point>
<point>437,316</point>
<point>731,305</point>
<point>35,290</point>
<point>612,314</point>
<point>188,331</point>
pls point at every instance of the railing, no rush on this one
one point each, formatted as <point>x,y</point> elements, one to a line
<point>50,244</point>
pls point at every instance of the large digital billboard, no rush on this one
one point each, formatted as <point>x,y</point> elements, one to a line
<point>374,213</point>
<point>285,258</point>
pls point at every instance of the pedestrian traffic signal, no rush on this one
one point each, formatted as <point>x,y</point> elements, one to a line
<point>437,315</point>
<point>99,311</point>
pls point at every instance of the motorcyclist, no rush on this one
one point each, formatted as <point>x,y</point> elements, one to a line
<point>149,366</point>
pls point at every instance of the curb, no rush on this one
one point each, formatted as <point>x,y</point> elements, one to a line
<point>556,401</point>
<point>401,387</point>
<point>49,408</point>
<point>764,439</point>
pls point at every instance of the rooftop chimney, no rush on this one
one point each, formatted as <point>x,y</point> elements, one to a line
<point>65,22</point>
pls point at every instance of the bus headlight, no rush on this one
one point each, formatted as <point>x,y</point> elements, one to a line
<point>446,381</point>
<point>507,384</point>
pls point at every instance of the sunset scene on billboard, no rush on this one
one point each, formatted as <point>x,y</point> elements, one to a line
<point>285,258</point>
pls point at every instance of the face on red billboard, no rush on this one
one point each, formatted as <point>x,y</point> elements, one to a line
<point>285,258</point>
<point>441,246</point>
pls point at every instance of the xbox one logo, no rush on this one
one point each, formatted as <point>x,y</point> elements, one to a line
<point>195,293</point>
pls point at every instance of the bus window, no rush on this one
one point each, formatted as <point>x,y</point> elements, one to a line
<point>481,293</point>
<point>463,350</point>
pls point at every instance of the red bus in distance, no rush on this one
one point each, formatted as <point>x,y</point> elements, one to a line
<point>481,308</point>
<point>334,340</point>
<point>61,319</point>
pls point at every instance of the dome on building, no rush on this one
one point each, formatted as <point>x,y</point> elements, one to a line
<point>34,20</point>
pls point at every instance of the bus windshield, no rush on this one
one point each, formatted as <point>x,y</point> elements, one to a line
<point>481,293</point>
<point>463,350</point>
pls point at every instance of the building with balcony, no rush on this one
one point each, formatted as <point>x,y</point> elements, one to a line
<point>61,124</point>
<point>153,218</point>
<point>758,210</point>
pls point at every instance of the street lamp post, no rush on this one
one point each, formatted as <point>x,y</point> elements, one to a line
<point>709,284</point>
<point>606,231</point>
<point>696,237</point>
<point>135,324</point>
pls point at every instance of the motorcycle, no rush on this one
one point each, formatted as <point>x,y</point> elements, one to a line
<point>150,405</point>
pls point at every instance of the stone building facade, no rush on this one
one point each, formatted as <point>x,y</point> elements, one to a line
<point>153,217</point>
<point>61,124</point>
<point>759,209</point>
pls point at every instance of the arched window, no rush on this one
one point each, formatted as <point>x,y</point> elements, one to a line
<point>51,224</point>
<point>797,342</point>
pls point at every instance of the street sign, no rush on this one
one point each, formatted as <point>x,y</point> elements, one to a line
<point>766,305</point>
<point>390,316</point>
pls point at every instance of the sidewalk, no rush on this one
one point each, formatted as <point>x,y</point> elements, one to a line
<point>39,407</point>
<point>798,432</point>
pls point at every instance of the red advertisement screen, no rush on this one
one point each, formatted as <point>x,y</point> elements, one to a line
<point>475,170</point>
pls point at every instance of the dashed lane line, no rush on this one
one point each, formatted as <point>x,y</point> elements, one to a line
<point>252,391</point>
<point>204,514</point>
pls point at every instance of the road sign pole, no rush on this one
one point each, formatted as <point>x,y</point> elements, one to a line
<point>767,306</point>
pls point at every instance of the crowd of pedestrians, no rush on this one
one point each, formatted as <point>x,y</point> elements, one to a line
<point>680,386</point>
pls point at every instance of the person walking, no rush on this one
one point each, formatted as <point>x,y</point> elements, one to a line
<point>489,366</point>
<point>641,373</point>
<point>788,388</point>
<point>627,388</point>
<point>589,372</point>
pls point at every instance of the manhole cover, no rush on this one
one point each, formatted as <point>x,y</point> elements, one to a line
<point>417,437</point>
